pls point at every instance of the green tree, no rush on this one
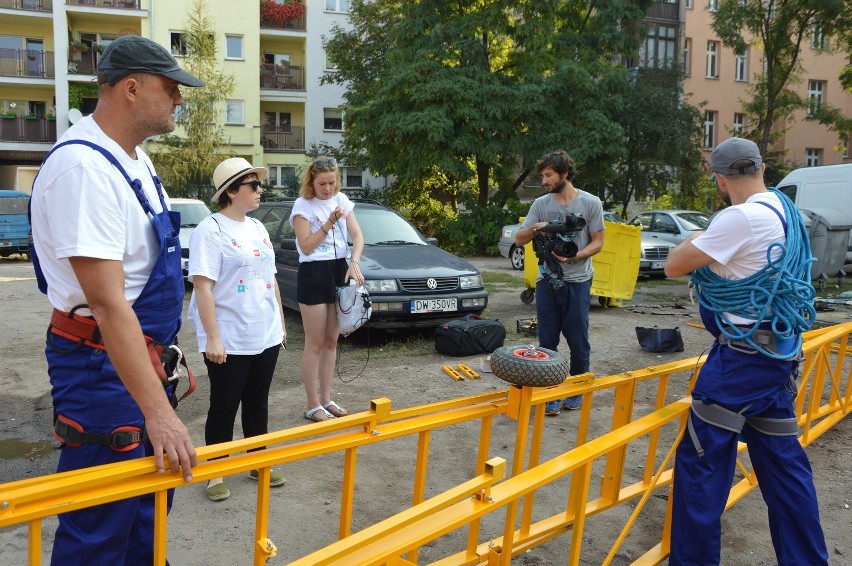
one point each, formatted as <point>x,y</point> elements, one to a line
<point>662,134</point>
<point>466,92</point>
<point>186,162</point>
<point>778,28</point>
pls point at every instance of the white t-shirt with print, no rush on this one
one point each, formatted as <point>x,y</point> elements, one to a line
<point>317,211</point>
<point>239,257</point>
<point>82,206</point>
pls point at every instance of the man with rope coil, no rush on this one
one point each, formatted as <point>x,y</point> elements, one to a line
<point>751,268</point>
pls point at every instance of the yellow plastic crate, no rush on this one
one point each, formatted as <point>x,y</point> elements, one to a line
<point>616,266</point>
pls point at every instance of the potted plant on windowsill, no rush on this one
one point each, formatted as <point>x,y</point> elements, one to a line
<point>31,117</point>
<point>78,47</point>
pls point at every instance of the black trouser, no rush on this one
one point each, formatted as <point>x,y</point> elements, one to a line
<point>240,380</point>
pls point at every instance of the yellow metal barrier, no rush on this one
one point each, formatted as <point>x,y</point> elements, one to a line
<point>825,398</point>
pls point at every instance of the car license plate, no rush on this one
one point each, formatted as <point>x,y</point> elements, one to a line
<point>4,244</point>
<point>434,305</point>
<point>658,264</point>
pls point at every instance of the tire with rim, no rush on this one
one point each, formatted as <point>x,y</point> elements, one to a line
<point>529,365</point>
<point>516,256</point>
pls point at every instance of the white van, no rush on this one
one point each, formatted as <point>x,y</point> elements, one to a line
<point>192,212</point>
<point>824,187</point>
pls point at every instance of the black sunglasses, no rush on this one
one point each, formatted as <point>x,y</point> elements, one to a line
<point>325,163</point>
<point>254,184</point>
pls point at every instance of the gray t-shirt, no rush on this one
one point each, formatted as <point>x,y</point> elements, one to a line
<point>546,209</point>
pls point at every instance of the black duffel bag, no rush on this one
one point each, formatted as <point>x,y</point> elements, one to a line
<point>660,340</point>
<point>469,335</point>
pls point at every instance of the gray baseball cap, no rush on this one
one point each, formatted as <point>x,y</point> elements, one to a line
<point>732,150</point>
<point>136,54</point>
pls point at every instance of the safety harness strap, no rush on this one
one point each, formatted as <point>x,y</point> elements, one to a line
<point>726,419</point>
<point>763,338</point>
<point>121,439</point>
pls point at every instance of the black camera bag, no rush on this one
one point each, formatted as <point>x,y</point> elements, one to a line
<point>469,335</point>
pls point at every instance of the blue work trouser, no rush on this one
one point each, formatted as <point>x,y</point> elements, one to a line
<point>119,533</point>
<point>565,312</point>
<point>702,485</point>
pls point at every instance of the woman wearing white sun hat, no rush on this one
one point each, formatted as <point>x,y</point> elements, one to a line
<point>236,309</point>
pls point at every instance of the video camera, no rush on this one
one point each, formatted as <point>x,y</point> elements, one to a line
<point>558,237</point>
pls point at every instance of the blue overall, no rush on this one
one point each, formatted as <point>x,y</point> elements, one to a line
<point>87,389</point>
<point>736,380</point>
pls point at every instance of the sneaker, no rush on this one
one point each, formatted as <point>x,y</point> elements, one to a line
<point>275,478</point>
<point>551,409</point>
<point>218,492</point>
<point>572,403</point>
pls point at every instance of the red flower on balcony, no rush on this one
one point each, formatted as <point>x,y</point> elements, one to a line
<point>276,12</point>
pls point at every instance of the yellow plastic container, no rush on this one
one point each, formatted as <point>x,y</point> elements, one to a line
<point>616,266</point>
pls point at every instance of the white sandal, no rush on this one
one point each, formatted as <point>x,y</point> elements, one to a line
<point>335,410</point>
<point>310,414</point>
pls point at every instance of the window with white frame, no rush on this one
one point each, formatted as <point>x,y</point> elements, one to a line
<point>177,41</point>
<point>330,65</point>
<point>739,123</point>
<point>281,175</point>
<point>712,5</point>
<point>234,47</point>
<point>277,122</point>
<point>689,4</point>
<point>332,119</point>
<point>235,112</point>
<point>353,178</point>
<point>337,6</point>
<point>818,39</point>
<point>712,68</point>
<point>741,67</point>
<point>813,157</point>
<point>687,56</point>
<point>815,96</point>
<point>709,129</point>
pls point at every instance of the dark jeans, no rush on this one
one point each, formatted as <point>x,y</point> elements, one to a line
<point>240,380</point>
<point>565,312</point>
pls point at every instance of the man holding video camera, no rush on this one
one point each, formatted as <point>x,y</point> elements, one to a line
<point>566,228</point>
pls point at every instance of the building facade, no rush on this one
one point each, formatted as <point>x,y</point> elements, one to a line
<point>49,51</point>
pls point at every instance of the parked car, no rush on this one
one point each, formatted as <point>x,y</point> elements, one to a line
<point>15,233</point>
<point>192,212</point>
<point>412,282</point>
<point>652,260</point>
<point>670,225</point>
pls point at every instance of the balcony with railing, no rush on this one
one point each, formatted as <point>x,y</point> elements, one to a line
<point>83,62</point>
<point>26,63</point>
<point>282,77</point>
<point>122,4</point>
<point>32,5</point>
<point>281,139</point>
<point>27,129</point>
<point>286,15</point>
<point>665,10</point>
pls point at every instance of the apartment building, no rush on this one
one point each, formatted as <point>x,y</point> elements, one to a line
<point>720,77</point>
<point>49,51</point>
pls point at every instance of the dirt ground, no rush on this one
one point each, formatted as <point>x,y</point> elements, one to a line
<point>304,513</point>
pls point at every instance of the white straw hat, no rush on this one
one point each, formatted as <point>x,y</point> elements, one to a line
<point>232,169</point>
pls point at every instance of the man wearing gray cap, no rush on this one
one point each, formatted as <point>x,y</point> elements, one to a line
<point>756,310</point>
<point>108,257</point>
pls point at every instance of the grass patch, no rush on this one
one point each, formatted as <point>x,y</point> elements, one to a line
<point>496,281</point>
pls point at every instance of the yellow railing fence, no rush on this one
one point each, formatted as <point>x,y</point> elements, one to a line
<point>630,456</point>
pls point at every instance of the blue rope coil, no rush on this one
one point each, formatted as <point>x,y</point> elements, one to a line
<point>780,293</point>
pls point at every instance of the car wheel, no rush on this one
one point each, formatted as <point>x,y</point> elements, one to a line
<point>529,365</point>
<point>527,296</point>
<point>516,256</point>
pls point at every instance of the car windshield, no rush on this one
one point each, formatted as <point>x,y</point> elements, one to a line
<point>191,213</point>
<point>693,221</point>
<point>383,227</point>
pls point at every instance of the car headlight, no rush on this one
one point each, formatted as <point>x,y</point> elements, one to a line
<point>470,281</point>
<point>380,285</point>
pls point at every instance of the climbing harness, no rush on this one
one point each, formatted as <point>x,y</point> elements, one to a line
<point>166,359</point>
<point>780,295</point>
<point>121,439</point>
<point>726,419</point>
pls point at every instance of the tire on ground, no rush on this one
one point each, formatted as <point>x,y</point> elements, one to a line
<point>529,365</point>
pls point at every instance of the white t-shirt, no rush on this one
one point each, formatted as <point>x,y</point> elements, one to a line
<point>739,236</point>
<point>316,212</point>
<point>239,257</point>
<point>82,206</point>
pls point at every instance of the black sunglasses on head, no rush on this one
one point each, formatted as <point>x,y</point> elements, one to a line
<point>325,163</point>
<point>254,184</point>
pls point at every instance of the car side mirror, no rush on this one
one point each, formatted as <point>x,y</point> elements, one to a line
<point>432,241</point>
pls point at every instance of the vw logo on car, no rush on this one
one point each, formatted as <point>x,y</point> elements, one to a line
<point>432,283</point>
